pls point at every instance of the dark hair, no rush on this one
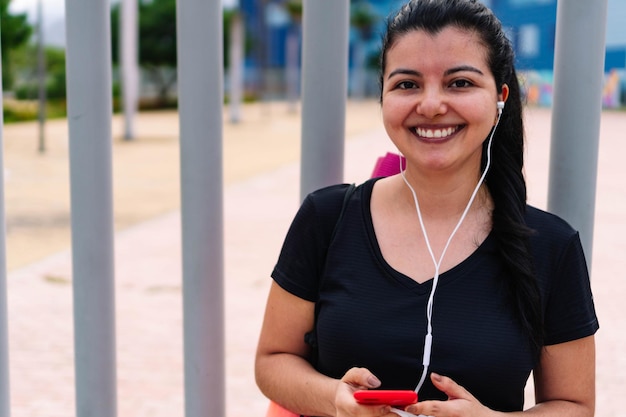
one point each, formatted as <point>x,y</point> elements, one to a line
<point>505,178</point>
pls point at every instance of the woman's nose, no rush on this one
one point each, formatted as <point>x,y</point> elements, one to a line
<point>431,104</point>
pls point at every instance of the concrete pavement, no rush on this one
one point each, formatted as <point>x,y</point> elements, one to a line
<point>261,196</point>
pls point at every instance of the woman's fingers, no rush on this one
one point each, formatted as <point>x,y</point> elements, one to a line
<point>449,387</point>
<point>361,378</point>
<point>460,402</point>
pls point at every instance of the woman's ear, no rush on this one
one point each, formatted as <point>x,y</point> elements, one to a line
<point>504,94</point>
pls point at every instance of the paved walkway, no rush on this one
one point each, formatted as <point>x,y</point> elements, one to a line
<point>261,196</point>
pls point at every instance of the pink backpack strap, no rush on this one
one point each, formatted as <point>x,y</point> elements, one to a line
<point>388,165</point>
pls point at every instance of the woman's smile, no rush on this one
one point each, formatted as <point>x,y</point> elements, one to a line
<point>436,133</point>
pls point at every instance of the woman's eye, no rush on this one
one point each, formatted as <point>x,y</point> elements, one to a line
<point>406,85</point>
<point>461,83</point>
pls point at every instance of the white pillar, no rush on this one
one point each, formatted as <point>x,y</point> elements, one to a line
<point>293,67</point>
<point>5,403</point>
<point>90,147</point>
<point>324,92</point>
<point>200,81</point>
<point>237,45</point>
<point>578,79</point>
<point>41,75</point>
<point>129,66</point>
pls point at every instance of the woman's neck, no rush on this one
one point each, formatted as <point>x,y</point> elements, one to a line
<point>443,198</point>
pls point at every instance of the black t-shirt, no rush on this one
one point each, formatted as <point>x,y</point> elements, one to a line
<point>370,315</point>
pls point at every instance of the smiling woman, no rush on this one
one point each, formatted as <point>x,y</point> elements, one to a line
<point>440,279</point>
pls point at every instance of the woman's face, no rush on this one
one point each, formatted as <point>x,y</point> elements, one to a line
<point>439,99</point>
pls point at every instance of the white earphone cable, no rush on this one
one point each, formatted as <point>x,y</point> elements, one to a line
<point>428,340</point>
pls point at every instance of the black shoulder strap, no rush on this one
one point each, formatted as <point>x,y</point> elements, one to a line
<point>346,198</point>
<point>311,337</point>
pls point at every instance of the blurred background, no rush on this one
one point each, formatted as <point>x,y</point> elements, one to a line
<point>271,50</point>
<point>262,67</point>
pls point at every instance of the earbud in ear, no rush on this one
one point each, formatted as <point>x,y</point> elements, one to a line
<point>500,106</point>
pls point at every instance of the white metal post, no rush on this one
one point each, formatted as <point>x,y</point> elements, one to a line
<point>5,403</point>
<point>89,116</point>
<point>41,75</point>
<point>292,52</point>
<point>578,80</point>
<point>129,64</point>
<point>324,92</point>
<point>236,67</point>
<point>200,81</point>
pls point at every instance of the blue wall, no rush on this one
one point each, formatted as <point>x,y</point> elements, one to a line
<point>615,58</point>
<point>531,27</point>
<point>530,24</point>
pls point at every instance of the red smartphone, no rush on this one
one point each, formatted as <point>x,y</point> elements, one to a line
<point>398,398</point>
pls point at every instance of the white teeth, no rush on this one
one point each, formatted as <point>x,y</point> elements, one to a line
<point>435,133</point>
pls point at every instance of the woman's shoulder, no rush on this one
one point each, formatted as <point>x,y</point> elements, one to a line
<point>328,193</point>
<point>545,222</point>
<point>334,195</point>
<point>551,235</point>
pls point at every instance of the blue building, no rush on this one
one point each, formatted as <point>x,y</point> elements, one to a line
<point>530,25</point>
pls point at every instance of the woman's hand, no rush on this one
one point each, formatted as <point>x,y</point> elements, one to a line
<point>460,402</point>
<point>353,380</point>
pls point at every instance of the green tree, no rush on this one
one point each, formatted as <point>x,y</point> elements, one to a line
<point>15,31</point>
<point>363,18</point>
<point>157,42</point>
<point>24,61</point>
<point>157,46</point>
<point>227,18</point>
<point>294,8</point>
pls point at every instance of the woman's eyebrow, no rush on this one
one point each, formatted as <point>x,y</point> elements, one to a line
<point>462,68</point>
<point>404,71</point>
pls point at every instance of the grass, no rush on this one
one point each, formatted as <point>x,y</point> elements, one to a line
<point>27,110</point>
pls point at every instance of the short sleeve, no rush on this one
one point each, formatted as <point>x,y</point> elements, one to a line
<point>570,312</point>
<point>303,254</point>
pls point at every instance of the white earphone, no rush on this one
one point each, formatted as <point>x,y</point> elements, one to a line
<point>500,106</point>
